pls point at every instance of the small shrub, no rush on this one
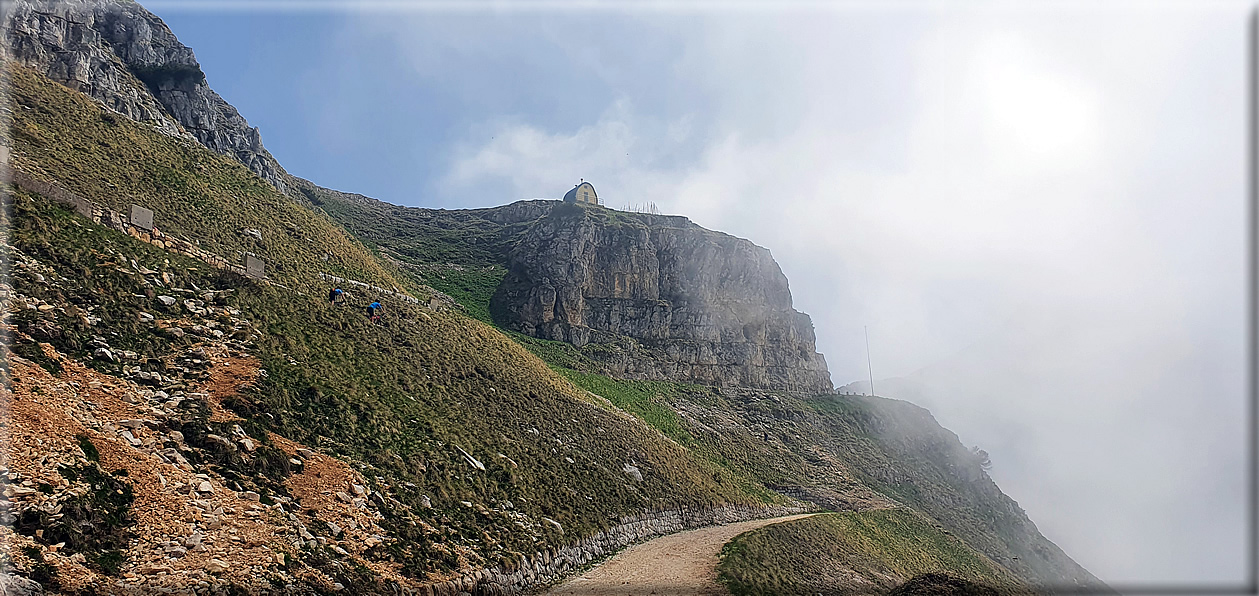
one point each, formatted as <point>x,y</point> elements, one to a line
<point>89,451</point>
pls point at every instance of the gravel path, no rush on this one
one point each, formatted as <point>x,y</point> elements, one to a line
<point>682,564</point>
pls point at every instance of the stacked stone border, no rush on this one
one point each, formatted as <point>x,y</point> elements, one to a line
<point>362,284</point>
<point>123,223</point>
<point>545,567</point>
<point>119,221</point>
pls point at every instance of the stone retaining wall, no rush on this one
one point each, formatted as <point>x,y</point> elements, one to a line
<point>119,221</point>
<point>362,284</point>
<point>547,566</point>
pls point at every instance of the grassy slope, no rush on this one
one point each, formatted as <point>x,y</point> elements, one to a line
<point>461,252</point>
<point>459,256</point>
<point>397,397</point>
<point>851,553</point>
<point>841,446</point>
<point>194,193</point>
<point>900,450</point>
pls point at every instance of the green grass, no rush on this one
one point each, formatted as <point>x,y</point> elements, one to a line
<point>96,524</point>
<point>646,399</point>
<point>558,354</point>
<point>416,236</point>
<point>471,288</point>
<point>822,554</point>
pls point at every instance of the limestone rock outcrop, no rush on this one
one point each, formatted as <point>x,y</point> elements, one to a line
<point>128,59</point>
<point>663,297</point>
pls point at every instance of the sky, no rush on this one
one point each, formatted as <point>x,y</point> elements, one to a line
<point>1039,212</point>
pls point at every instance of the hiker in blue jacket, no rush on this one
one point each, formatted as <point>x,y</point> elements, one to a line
<point>373,311</point>
<point>336,296</point>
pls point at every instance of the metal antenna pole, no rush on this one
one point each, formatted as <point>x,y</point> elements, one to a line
<point>869,367</point>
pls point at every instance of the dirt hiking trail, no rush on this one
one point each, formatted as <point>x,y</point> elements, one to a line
<point>682,564</point>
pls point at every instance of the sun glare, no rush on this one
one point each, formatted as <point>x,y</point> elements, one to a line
<point>1035,119</point>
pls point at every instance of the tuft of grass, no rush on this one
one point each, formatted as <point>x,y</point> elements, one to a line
<point>31,351</point>
<point>646,399</point>
<point>96,524</point>
<point>558,354</point>
<point>471,288</point>
<point>89,450</point>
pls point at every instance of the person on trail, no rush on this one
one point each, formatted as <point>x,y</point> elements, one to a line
<point>336,296</point>
<point>373,311</point>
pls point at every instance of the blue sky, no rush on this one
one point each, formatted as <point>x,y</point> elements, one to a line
<point>364,107</point>
<point>1038,212</point>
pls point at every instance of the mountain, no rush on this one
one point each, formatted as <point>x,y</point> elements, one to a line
<point>647,296</point>
<point>179,418</point>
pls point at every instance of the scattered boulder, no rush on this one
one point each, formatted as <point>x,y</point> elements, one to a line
<point>13,585</point>
<point>126,434</point>
<point>220,441</point>
<point>471,460</point>
<point>104,354</point>
<point>217,566</point>
<point>167,300</point>
<point>633,471</point>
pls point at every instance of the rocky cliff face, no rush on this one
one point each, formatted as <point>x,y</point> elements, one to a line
<point>125,57</point>
<point>669,299</point>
